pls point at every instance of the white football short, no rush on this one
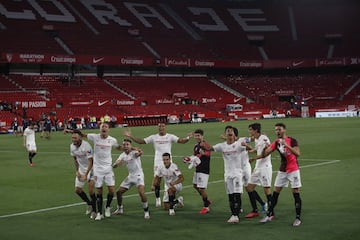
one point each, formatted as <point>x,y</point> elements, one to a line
<point>261,177</point>
<point>31,147</point>
<point>80,184</point>
<point>246,172</point>
<point>200,179</point>
<point>101,178</point>
<point>178,188</point>
<point>133,180</point>
<point>234,184</point>
<point>283,178</point>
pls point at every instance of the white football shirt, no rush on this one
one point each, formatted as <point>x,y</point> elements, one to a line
<point>261,143</point>
<point>102,152</point>
<point>132,162</point>
<point>162,144</point>
<point>82,155</point>
<point>30,136</point>
<point>232,157</point>
<point>169,174</point>
<point>244,155</point>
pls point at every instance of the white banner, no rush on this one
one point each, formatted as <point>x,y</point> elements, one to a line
<point>335,114</point>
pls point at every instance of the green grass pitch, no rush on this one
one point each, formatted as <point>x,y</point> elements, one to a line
<point>40,203</point>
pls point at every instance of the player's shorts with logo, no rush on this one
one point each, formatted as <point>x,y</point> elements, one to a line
<point>283,179</point>
<point>178,188</point>
<point>261,177</point>
<point>133,180</point>
<point>81,184</point>
<point>104,177</point>
<point>201,179</point>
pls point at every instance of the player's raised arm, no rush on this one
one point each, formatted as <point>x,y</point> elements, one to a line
<point>127,133</point>
<point>66,130</point>
<point>185,139</point>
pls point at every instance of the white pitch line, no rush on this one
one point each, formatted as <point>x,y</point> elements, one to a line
<point>133,195</point>
<point>322,163</point>
<point>82,203</point>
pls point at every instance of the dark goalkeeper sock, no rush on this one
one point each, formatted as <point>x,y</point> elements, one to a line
<point>84,197</point>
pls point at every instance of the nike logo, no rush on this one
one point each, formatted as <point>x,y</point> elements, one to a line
<point>102,103</point>
<point>237,99</point>
<point>295,64</point>
<point>96,60</point>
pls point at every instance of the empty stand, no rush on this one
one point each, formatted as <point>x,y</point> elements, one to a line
<point>155,89</point>
<point>221,29</point>
<point>90,95</point>
<point>187,29</point>
<point>315,90</point>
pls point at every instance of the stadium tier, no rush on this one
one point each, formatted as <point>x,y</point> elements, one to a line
<point>335,90</point>
<point>206,29</point>
<point>244,51</point>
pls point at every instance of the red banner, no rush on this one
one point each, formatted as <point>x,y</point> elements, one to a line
<point>75,59</point>
<point>290,63</point>
<point>34,58</point>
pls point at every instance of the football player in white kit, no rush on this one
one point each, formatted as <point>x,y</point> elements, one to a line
<point>29,142</point>
<point>233,170</point>
<point>262,173</point>
<point>132,160</point>
<point>162,142</point>
<point>82,153</point>
<point>103,170</point>
<point>245,163</point>
<point>173,183</point>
